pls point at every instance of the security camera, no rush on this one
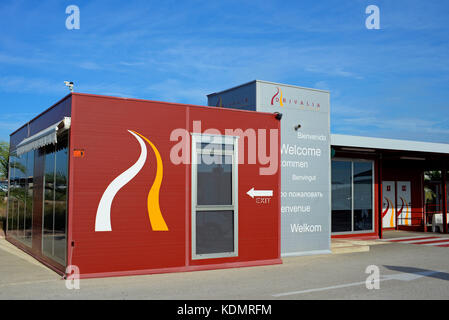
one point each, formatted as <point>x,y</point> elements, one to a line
<point>69,84</point>
<point>278,116</point>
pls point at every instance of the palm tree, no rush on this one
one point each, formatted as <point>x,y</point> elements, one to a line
<point>4,160</point>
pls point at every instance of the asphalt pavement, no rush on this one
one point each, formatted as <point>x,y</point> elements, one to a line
<point>406,271</point>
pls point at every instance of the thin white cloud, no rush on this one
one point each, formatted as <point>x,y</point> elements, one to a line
<point>89,65</point>
<point>414,128</point>
<point>30,85</point>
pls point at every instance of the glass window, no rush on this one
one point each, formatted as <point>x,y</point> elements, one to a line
<point>363,196</point>
<point>352,196</point>
<point>341,196</point>
<point>447,192</point>
<point>49,196</point>
<point>60,204</point>
<point>20,195</point>
<point>215,146</point>
<point>20,201</point>
<point>13,210</point>
<point>29,196</point>
<point>214,197</point>
<point>54,231</point>
<point>214,232</point>
<point>11,196</point>
<point>432,194</point>
<point>11,214</point>
<point>215,181</point>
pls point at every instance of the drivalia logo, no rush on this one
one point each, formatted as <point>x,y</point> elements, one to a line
<point>103,217</point>
<point>277,97</point>
<point>389,204</point>
<point>291,101</point>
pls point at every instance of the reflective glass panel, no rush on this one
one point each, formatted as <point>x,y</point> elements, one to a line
<point>214,232</point>
<point>29,196</point>
<point>341,196</point>
<point>214,181</point>
<point>60,203</point>
<point>49,198</point>
<point>21,172</point>
<point>363,196</point>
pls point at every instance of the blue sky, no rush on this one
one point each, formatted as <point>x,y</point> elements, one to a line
<point>392,82</point>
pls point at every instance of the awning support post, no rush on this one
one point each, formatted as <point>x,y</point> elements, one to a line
<point>423,196</point>
<point>380,197</point>
<point>444,200</point>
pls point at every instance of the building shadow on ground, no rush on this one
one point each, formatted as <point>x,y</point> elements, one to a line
<point>418,271</point>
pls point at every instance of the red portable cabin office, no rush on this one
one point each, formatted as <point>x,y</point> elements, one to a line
<point>119,186</point>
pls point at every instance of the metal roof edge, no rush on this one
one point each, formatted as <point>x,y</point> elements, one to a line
<point>233,88</point>
<point>388,144</point>
<point>43,112</point>
<point>268,82</point>
<point>294,86</point>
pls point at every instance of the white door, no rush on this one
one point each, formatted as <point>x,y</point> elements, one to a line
<point>388,204</point>
<point>404,203</point>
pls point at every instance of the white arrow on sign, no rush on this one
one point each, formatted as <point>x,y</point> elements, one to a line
<point>260,193</point>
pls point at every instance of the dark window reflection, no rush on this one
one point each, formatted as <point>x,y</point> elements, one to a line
<point>363,196</point>
<point>447,193</point>
<point>29,196</point>
<point>12,197</point>
<point>214,232</point>
<point>60,203</point>
<point>214,146</point>
<point>352,196</point>
<point>48,214</point>
<point>15,196</point>
<point>214,181</point>
<point>54,235</point>
<point>20,196</point>
<point>341,196</point>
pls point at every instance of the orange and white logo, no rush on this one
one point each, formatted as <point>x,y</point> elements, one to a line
<point>293,100</point>
<point>277,97</point>
<point>103,217</point>
<point>388,214</point>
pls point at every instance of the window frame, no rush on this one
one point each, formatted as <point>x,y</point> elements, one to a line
<point>352,160</point>
<point>223,140</point>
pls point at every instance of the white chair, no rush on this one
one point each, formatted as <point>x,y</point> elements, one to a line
<point>437,222</point>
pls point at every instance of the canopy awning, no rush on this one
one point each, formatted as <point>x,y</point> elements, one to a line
<point>342,140</point>
<point>43,137</point>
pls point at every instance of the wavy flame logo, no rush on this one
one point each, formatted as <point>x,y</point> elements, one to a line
<point>103,217</point>
<point>389,204</point>
<point>400,215</point>
<point>279,91</point>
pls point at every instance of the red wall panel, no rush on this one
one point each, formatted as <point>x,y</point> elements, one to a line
<point>258,232</point>
<point>100,127</point>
